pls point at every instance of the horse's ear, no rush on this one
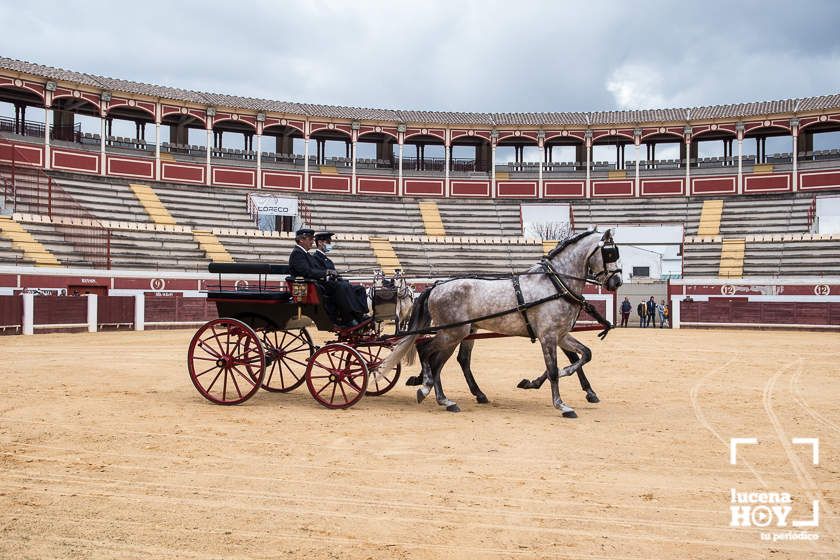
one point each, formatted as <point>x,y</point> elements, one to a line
<point>607,235</point>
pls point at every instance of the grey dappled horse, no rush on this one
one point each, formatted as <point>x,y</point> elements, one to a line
<point>560,276</point>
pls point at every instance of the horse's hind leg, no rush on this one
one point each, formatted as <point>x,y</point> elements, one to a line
<point>424,366</point>
<point>535,383</point>
<point>464,359</point>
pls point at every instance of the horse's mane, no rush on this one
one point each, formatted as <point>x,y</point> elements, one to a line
<point>569,241</point>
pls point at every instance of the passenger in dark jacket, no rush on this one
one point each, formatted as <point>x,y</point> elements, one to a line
<point>340,294</point>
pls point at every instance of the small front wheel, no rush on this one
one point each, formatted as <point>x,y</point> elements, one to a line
<point>337,376</point>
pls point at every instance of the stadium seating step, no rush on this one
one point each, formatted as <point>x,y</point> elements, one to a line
<point>431,218</point>
<point>154,207</point>
<point>24,242</point>
<point>710,217</point>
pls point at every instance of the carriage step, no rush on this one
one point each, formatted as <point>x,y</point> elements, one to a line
<point>152,204</point>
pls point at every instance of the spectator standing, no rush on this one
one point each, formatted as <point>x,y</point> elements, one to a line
<point>626,308</point>
<point>642,311</point>
<point>668,314</point>
<point>660,310</point>
<point>651,312</point>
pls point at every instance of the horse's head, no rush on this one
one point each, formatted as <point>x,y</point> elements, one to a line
<point>604,265</point>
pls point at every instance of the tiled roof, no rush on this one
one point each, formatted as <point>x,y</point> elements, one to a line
<point>577,119</point>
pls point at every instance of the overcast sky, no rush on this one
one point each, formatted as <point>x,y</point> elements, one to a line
<point>446,55</point>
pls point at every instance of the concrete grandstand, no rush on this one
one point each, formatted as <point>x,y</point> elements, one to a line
<point>437,193</point>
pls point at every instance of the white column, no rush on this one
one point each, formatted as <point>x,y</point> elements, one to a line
<point>447,158</point>
<point>493,170</point>
<point>540,189</point>
<point>353,179</point>
<point>740,165</point>
<point>675,312</point>
<point>795,157</point>
<point>209,148</point>
<point>157,150</point>
<point>47,124</point>
<point>306,163</point>
<point>400,168</point>
<point>637,184</point>
<point>92,312</point>
<point>259,161</point>
<point>588,168</point>
<point>28,313</point>
<point>139,312</point>
<point>688,165</point>
<point>102,143</point>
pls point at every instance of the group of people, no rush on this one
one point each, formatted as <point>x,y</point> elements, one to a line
<point>345,303</point>
<point>647,311</point>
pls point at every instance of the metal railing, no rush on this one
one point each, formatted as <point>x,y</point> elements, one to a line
<point>29,128</point>
<point>35,192</point>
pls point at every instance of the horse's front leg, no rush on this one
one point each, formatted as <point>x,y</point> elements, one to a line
<point>549,348</point>
<point>574,356</point>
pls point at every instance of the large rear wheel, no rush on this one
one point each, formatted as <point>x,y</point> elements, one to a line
<point>226,361</point>
<point>286,353</point>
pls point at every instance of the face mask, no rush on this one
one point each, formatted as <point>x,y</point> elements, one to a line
<point>328,247</point>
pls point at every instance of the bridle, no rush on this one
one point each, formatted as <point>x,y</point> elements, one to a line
<point>609,255</point>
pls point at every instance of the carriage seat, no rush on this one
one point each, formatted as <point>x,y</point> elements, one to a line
<point>247,268</point>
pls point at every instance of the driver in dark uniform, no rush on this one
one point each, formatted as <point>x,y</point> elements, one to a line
<point>340,302</point>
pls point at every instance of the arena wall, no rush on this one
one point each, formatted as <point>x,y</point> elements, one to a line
<point>808,303</point>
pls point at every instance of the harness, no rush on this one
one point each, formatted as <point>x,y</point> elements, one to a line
<point>563,291</point>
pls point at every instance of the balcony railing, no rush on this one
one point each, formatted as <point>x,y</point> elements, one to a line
<point>31,128</point>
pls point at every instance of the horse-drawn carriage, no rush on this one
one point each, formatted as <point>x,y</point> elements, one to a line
<point>260,340</point>
<point>261,337</point>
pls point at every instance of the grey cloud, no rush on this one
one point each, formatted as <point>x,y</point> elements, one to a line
<point>444,55</point>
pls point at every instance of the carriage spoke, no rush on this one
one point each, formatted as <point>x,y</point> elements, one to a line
<point>298,362</point>
<point>332,397</point>
<point>224,385</point>
<point>216,336</point>
<point>210,388</point>
<point>235,384</point>
<point>321,390</point>
<point>343,392</point>
<point>211,368</point>
<point>202,344</point>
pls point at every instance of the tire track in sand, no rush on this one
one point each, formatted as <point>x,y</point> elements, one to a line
<point>701,417</point>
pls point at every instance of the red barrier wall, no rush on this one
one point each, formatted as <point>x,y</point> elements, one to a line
<point>60,310</point>
<point>11,314</point>
<point>115,310</point>
<point>760,313</point>
<point>179,309</point>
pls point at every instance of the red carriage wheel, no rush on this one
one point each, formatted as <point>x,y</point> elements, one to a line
<point>373,356</point>
<point>286,353</point>
<point>226,361</point>
<point>337,376</point>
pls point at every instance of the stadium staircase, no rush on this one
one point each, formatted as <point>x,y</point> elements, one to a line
<point>152,204</point>
<point>732,258</point>
<point>431,218</point>
<point>24,243</point>
<point>213,249</point>
<point>710,217</point>
<point>386,257</point>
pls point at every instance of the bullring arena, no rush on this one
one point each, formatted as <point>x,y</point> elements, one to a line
<point>108,451</point>
<point>716,436</point>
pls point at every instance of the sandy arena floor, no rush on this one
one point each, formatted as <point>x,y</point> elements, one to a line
<point>107,451</point>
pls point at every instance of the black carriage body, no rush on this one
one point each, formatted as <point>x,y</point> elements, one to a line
<point>294,304</point>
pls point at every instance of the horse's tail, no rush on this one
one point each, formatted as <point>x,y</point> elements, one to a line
<point>420,319</point>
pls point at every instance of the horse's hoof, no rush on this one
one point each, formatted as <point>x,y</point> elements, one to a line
<point>570,414</point>
<point>453,408</point>
<point>592,397</point>
<point>414,380</point>
<point>525,384</point>
<point>420,395</point>
<point>482,399</point>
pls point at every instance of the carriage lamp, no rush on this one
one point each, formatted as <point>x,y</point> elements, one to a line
<point>299,291</point>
